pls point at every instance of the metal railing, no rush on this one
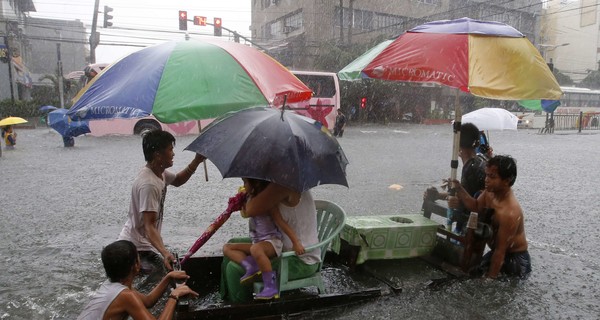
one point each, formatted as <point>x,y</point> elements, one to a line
<point>579,122</point>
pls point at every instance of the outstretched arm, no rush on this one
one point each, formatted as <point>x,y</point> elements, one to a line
<point>472,204</point>
<point>184,175</point>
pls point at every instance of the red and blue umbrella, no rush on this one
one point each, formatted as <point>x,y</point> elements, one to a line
<point>487,59</point>
<point>188,80</point>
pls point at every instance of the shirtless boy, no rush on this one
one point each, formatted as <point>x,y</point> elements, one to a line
<point>508,246</point>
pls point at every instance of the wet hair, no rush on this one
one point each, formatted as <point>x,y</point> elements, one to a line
<point>469,136</point>
<point>507,167</point>
<point>257,185</point>
<point>118,258</point>
<point>156,140</point>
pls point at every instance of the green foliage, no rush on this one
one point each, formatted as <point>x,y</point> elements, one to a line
<point>23,109</point>
<point>562,78</point>
<point>592,80</point>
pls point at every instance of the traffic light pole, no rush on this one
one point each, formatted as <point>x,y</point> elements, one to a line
<point>93,35</point>
<point>239,36</point>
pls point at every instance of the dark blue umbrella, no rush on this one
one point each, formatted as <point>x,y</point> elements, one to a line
<point>59,121</point>
<point>268,144</point>
<point>47,108</point>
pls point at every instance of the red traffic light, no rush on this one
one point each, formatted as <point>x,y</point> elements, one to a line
<point>182,20</point>
<point>363,102</point>
<point>217,27</point>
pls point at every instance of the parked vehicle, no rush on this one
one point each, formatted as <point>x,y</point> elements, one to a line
<point>324,104</point>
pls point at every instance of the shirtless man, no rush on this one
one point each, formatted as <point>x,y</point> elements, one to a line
<point>508,245</point>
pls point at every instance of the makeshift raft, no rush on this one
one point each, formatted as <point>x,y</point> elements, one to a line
<point>373,256</point>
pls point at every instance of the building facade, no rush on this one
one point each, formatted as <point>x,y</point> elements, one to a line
<point>294,31</point>
<point>35,46</point>
<point>571,37</point>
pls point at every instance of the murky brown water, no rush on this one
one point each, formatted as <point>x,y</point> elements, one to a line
<point>60,206</point>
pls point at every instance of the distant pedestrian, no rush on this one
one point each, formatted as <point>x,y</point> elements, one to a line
<point>340,125</point>
<point>9,136</point>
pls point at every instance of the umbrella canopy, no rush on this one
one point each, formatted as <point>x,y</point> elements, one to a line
<point>47,108</point>
<point>11,121</point>
<point>491,119</point>
<point>544,105</point>
<point>487,59</point>
<point>278,146</point>
<point>188,80</point>
<point>62,123</point>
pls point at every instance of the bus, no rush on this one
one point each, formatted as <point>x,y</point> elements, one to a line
<point>325,102</point>
<point>577,100</point>
<point>579,109</point>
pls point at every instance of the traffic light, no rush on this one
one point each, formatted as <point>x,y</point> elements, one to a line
<point>217,24</point>
<point>182,20</point>
<point>107,17</point>
<point>363,102</point>
<point>199,21</point>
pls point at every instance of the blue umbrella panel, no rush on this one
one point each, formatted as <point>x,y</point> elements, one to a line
<point>59,121</point>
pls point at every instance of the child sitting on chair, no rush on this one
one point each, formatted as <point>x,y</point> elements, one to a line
<point>267,243</point>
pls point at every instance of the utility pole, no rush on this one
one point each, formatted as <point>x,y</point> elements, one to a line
<point>341,21</point>
<point>9,64</point>
<point>94,39</point>
<point>61,92</point>
<point>351,8</point>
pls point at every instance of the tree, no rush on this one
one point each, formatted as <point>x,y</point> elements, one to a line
<point>562,78</point>
<point>592,80</point>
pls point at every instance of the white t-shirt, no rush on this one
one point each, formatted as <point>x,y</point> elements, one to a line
<point>303,220</point>
<point>147,194</point>
<point>101,300</point>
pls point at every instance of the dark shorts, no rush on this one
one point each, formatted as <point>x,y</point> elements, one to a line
<point>516,264</point>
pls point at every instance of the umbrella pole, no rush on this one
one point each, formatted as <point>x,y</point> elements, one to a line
<point>456,143</point>
<point>454,161</point>
<point>203,162</point>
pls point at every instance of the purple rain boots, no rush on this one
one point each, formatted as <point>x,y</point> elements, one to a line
<point>251,268</point>
<point>270,290</point>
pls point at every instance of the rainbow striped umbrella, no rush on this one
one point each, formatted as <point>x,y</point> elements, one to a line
<point>487,59</point>
<point>188,80</point>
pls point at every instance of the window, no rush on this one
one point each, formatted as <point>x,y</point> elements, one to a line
<point>322,86</point>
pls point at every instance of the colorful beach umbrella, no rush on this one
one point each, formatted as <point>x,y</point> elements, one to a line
<point>543,105</point>
<point>487,59</point>
<point>188,80</point>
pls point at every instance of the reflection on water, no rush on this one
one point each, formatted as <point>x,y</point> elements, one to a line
<point>61,205</point>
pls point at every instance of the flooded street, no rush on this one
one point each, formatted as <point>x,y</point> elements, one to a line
<point>60,206</point>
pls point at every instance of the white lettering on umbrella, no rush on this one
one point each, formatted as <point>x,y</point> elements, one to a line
<point>428,75</point>
<point>99,110</point>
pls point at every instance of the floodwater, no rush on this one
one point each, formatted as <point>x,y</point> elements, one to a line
<point>60,206</point>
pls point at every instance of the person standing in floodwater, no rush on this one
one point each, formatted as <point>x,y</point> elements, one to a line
<point>340,125</point>
<point>9,136</point>
<point>508,254</point>
<point>145,217</point>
